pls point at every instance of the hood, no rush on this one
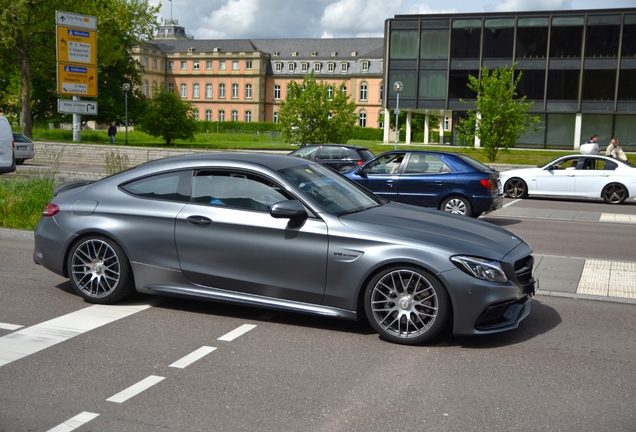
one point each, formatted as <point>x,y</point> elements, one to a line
<point>459,234</point>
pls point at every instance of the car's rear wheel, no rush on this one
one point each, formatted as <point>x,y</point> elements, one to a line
<point>19,161</point>
<point>99,270</point>
<point>614,193</point>
<point>407,305</point>
<point>516,188</point>
<point>457,205</point>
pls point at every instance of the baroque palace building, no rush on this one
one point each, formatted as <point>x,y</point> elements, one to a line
<point>246,79</point>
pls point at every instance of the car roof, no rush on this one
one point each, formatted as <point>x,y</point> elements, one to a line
<point>353,147</point>
<point>269,160</point>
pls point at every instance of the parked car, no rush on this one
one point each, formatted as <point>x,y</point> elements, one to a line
<point>24,148</point>
<point>7,158</point>
<point>451,182</point>
<point>339,157</point>
<point>585,176</point>
<point>284,233</point>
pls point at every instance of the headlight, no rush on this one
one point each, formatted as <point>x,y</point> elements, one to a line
<point>480,268</point>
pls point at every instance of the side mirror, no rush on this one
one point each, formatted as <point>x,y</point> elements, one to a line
<point>360,172</point>
<point>290,209</point>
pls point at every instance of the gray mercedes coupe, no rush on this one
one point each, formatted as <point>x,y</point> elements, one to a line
<point>284,233</point>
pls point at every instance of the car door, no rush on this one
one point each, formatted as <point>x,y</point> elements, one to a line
<point>381,175</point>
<point>594,174</point>
<point>424,180</point>
<point>227,239</point>
<point>559,178</point>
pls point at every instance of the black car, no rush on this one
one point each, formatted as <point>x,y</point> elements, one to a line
<point>338,157</point>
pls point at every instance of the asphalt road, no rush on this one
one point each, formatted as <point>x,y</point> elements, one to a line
<point>569,367</point>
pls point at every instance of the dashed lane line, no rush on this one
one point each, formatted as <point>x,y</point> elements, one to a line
<point>135,389</point>
<point>192,357</point>
<point>5,326</point>
<point>237,332</point>
<point>74,422</point>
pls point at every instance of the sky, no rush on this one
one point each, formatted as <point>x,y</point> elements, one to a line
<point>276,19</point>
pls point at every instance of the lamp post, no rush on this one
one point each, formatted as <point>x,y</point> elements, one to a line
<point>397,86</point>
<point>126,89</point>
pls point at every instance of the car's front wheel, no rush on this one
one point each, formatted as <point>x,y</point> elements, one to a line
<point>516,188</point>
<point>614,193</point>
<point>458,205</point>
<point>407,305</point>
<point>99,270</point>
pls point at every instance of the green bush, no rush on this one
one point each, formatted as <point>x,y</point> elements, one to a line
<point>364,133</point>
<point>22,201</point>
<point>236,127</point>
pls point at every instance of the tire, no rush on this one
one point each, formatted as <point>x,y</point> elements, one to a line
<point>614,193</point>
<point>406,305</point>
<point>516,188</point>
<point>457,205</point>
<point>99,270</point>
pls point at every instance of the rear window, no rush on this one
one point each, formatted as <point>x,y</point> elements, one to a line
<point>473,163</point>
<point>365,154</point>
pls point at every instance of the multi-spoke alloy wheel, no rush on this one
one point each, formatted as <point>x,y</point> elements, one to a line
<point>516,188</point>
<point>406,305</point>
<point>99,270</point>
<point>614,193</point>
<point>457,205</point>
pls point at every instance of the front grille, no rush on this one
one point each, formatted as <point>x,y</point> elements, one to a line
<point>523,270</point>
<point>501,314</point>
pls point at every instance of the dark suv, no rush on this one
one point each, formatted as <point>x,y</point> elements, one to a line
<point>338,157</point>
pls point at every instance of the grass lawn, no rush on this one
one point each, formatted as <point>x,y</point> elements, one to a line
<point>265,141</point>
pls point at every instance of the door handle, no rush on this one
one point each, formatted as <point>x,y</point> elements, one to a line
<point>390,183</point>
<point>199,220</point>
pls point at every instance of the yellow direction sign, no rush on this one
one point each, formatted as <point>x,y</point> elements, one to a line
<point>77,46</point>
<point>76,80</point>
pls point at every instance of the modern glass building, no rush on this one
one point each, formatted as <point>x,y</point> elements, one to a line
<point>577,66</point>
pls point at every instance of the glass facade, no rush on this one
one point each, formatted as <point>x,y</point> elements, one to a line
<point>577,67</point>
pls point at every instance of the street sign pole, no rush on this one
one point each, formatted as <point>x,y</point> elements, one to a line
<point>77,124</point>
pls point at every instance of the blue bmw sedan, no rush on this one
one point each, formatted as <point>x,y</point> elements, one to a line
<point>452,182</point>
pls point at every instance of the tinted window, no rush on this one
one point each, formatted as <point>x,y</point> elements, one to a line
<point>333,153</point>
<point>174,186</point>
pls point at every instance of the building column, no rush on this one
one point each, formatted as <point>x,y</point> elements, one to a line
<point>387,126</point>
<point>477,142</point>
<point>409,121</point>
<point>427,118</point>
<point>578,121</point>
<point>441,127</point>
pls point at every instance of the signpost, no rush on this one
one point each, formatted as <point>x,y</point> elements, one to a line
<point>76,50</point>
<point>76,107</point>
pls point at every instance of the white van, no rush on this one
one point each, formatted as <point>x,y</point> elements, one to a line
<point>7,147</point>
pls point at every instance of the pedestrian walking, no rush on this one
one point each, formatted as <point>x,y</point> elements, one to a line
<point>591,146</point>
<point>112,130</point>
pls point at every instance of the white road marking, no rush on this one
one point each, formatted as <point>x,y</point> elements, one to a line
<point>192,357</point>
<point>5,326</point>
<point>44,335</point>
<point>511,203</point>
<point>608,278</point>
<point>75,422</point>
<point>237,332</point>
<point>135,389</point>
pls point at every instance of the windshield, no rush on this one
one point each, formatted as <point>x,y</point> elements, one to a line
<point>333,192</point>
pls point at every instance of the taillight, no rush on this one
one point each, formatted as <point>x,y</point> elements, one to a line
<point>360,162</point>
<point>51,210</point>
<point>487,183</point>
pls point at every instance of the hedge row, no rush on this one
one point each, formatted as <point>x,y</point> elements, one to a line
<point>236,126</point>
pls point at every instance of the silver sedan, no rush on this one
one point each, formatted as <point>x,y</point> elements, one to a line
<point>284,233</point>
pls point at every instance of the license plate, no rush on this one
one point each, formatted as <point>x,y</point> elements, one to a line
<point>22,148</point>
<point>535,287</point>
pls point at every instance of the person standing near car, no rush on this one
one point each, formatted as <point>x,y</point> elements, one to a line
<point>112,130</point>
<point>613,150</point>
<point>591,146</point>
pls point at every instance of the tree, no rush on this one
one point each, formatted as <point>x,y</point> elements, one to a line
<point>316,113</point>
<point>168,116</point>
<point>27,29</point>
<point>500,117</point>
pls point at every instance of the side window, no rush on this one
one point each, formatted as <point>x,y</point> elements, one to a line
<point>333,153</point>
<point>387,164</point>
<point>174,186</point>
<point>236,189</point>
